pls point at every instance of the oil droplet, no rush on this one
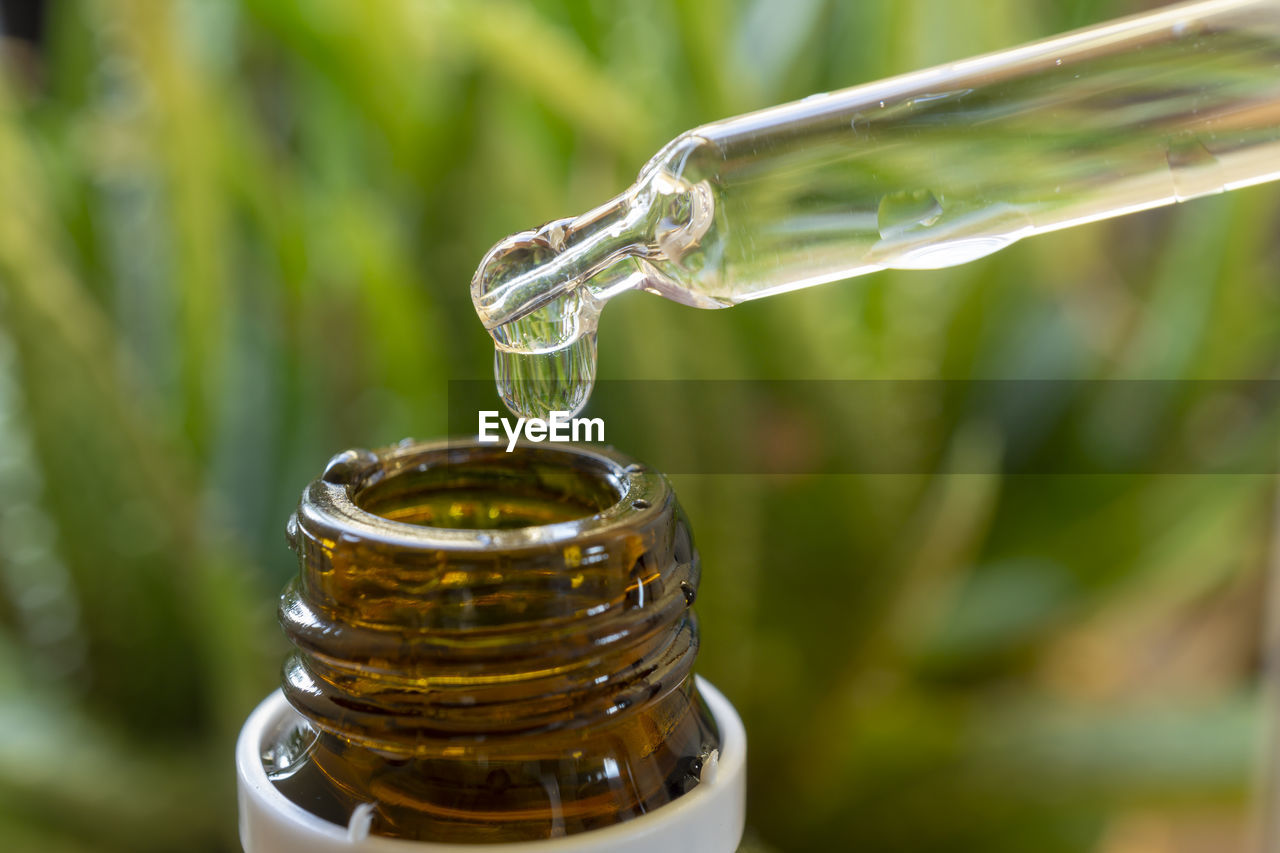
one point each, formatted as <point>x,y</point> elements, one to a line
<point>534,385</point>
<point>966,240</point>
<point>952,252</point>
<point>1195,170</point>
<point>285,753</point>
<point>902,212</point>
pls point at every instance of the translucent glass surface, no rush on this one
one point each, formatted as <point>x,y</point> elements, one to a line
<point>927,170</point>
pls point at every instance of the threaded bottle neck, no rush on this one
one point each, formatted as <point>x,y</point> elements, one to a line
<point>459,605</point>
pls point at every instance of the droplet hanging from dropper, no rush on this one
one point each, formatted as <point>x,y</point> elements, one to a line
<point>534,385</point>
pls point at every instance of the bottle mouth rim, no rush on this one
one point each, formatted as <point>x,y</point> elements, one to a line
<point>338,501</point>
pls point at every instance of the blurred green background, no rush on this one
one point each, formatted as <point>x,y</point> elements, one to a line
<point>236,237</point>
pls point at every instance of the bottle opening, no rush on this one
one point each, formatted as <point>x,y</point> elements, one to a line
<point>492,490</point>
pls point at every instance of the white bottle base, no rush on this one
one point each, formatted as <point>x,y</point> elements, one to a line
<point>708,819</point>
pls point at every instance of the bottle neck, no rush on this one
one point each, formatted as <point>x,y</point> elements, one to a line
<point>471,611</point>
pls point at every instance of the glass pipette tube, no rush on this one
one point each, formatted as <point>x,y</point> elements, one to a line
<point>927,170</point>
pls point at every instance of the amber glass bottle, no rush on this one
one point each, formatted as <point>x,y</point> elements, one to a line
<point>491,646</point>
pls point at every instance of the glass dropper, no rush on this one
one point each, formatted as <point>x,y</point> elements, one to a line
<point>927,170</point>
